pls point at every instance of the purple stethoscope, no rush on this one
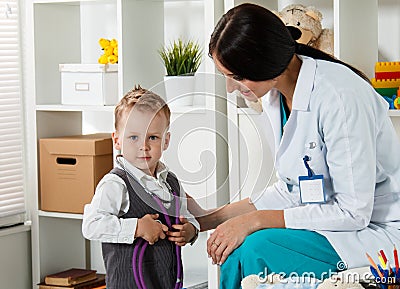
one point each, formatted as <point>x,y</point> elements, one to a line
<point>141,245</point>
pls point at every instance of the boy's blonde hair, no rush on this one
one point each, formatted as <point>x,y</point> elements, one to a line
<point>143,100</point>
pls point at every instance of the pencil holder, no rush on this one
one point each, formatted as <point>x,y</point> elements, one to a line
<point>388,286</point>
<point>385,278</point>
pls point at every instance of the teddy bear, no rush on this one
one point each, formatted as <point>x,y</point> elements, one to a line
<point>304,23</point>
<point>275,281</point>
<point>308,21</point>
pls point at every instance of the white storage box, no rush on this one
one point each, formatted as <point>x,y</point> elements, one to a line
<point>89,84</point>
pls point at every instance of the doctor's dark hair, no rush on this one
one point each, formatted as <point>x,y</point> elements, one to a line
<point>143,100</point>
<point>253,43</point>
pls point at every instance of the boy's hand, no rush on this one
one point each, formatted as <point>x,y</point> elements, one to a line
<point>149,229</point>
<point>183,233</point>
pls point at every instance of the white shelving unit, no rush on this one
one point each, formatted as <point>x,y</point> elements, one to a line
<point>60,215</point>
<point>59,107</point>
<point>67,31</point>
<point>394,113</point>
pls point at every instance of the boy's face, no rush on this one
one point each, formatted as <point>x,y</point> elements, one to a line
<point>143,140</point>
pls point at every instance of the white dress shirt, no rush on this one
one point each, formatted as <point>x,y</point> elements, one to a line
<point>342,124</point>
<point>102,217</point>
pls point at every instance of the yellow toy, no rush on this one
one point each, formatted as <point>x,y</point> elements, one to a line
<point>396,102</point>
<point>110,51</point>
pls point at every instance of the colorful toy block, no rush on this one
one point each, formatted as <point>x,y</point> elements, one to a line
<point>387,75</point>
<point>396,103</point>
<point>389,92</point>
<point>390,100</point>
<point>387,70</point>
<point>385,83</point>
<point>387,66</point>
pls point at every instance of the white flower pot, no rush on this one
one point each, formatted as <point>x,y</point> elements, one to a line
<point>179,90</point>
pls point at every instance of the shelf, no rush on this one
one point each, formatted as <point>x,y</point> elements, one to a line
<point>180,1</point>
<point>60,107</point>
<point>250,111</point>
<point>394,112</point>
<point>174,110</point>
<point>110,108</point>
<point>77,2</point>
<point>60,215</point>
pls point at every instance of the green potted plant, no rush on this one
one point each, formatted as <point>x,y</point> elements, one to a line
<point>181,60</point>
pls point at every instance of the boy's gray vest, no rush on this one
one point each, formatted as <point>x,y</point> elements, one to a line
<point>159,262</point>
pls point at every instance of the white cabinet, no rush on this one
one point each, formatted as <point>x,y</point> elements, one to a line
<point>68,32</point>
<point>251,143</point>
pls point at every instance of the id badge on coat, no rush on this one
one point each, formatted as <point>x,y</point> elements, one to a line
<point>311,186</point>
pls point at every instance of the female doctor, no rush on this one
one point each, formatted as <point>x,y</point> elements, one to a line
<point>337,158</point>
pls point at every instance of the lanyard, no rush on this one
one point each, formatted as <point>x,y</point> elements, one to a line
<point>306,159</point>
<point>284,115</point>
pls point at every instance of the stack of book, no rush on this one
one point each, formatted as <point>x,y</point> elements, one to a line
<point>74,279</point>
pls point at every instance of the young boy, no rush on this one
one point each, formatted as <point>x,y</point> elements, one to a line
<point>140,202</point>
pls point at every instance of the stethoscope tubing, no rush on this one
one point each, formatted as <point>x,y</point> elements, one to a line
<point>141,244</point>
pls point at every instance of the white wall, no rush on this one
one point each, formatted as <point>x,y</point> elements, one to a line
<point>15,260</point>
<point>185,19</point>
<point>389,30</point>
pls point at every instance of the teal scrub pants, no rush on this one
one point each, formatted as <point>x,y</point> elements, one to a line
<point>279,251</point>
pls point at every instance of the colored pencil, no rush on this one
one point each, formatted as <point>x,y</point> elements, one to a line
<point>388,266</point>
<point>383,256</point>
<point>383,263</point>
<point>385,273</point>
<point>396,259</point>
<point>374,272</point>
<point>374,265</point>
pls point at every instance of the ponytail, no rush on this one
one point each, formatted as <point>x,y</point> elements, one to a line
<point>253,43</point>
<point>312,52</point>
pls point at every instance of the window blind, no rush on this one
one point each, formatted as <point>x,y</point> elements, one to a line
<point>12,200</point>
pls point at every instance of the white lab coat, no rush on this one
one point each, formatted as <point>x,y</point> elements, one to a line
<point>341,123</point>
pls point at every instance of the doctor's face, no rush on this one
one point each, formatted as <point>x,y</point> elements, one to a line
<point>251,90</point>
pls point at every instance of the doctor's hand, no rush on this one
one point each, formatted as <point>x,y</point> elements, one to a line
<point>150,229</point>
<point>227,237</point>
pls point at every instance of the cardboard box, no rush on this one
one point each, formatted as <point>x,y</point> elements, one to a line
<point>89,84</point>
<point>70,169</point>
